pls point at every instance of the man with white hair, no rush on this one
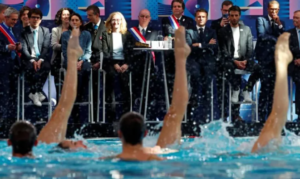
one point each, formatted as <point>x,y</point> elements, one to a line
<point>9,59</point>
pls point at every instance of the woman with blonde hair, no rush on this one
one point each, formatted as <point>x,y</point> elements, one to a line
<point>117,49</point>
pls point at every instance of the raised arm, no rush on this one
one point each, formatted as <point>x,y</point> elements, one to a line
<point>171,130</point>
<point>55,129</point>
<point>276,120</point>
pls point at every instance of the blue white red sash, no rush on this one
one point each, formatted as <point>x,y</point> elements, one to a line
<point>139,37</point>
<point>174,22</point>
<point>10,37</point>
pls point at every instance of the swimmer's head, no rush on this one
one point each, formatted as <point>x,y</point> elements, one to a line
<point>132,128</point>
<point>22,137</point>
<point>71,145</point>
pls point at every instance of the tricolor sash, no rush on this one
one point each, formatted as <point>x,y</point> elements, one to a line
<point>139,37</point>
<point>174,22</point>
<point>10,37</point>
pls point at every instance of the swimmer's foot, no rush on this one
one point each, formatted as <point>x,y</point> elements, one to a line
<point>283,54</point>
<point>182,50</point>
<point>74,49</point>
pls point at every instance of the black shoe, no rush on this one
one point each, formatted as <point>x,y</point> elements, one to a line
<point>237,119</point>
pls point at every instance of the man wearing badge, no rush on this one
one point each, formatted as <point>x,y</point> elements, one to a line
<point>169,26</point>
<point>143,32</point>
<point>10,58</point>
<point>96,27</point>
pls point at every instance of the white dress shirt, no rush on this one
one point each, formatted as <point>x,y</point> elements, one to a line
<point>236,39</point>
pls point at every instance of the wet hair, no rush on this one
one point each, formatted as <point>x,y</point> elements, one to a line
<point>22,11</point>
<point>235,8</point>
<point>22,136</point>
<point>61,146</point>
<point>35,11</point>
<point>201,10</point>
<point>179,1</point>
<point>132,127</point>
<point>80,18</point>
<point>94,8</point>
<point>227,3</point>
<point>3,7</point>
<point>59,13</point>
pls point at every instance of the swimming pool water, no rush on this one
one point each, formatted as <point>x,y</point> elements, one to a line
<point>214,155</point>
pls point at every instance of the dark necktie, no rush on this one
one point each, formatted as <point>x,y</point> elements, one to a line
<point>143,32</point>
<point>273,24</point>
<point>201,34</point>
<point>178,20</point>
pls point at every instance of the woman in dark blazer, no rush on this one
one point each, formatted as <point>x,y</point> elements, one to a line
<point>84,65</point>
<point>117,44</point>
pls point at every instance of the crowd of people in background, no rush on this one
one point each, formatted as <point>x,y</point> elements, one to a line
<point>217,52</point>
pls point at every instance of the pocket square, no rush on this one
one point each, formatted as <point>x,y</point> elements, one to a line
<point>241,30</point>
<point>149,30</point>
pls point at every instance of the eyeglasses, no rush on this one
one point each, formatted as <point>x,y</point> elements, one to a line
<point>35,17</point>
<point>116,20</point>
<point>142,16</point>
<point>274,9</point>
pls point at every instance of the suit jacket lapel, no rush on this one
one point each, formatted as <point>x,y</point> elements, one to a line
<point>230,40</point>
<point>40,39</point>
<point>30,38</point>
<point>110,40</point>
<point>148,34</point>
<point>123,39</point>
<point>242,36</point>
<point>295,34</point>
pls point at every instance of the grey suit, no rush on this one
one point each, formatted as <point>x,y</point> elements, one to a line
<point>36,78</point>
<point>55,42</point>
<point>227,43</point>
<point>245,52</point>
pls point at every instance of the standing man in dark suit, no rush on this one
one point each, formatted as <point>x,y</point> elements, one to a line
<point>169,25</point>
<point>294,67</point>
<point>237,51</point>
<point>138,63</point>
<point>269,28</point>
<point>217,25</point>
<point>9,58</point>
<point>223,21</point>
<point>35,55</point>
<point>201,65</point>
<point>96,27</point>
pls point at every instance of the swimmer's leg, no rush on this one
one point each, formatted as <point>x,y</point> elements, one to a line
<point>55,129</point>
<point>171,130</point>
<point>277,118</point>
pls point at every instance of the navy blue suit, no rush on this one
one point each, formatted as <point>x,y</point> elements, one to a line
<point>294,71</point>
<point>167,28</point>
<point>8,77</point>
<point>265,49</point>
<point>201,69</point>
<point>138,66</point>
